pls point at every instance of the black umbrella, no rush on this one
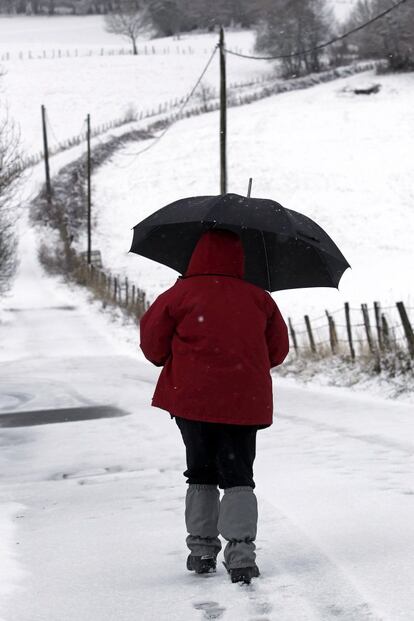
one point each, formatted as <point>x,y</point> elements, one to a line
<point>283,248</point>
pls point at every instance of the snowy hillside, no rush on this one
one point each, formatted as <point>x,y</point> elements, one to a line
<point>104,86</point>
<point>340,158</point>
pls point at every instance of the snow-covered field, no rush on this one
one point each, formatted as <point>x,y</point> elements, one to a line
<point>106,87</point>
<point>341,159</point>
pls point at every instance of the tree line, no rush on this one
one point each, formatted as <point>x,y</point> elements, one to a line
<point>283,27</point>
<point>294,29</point>
<point>391,38</point>
<point>168,15</point>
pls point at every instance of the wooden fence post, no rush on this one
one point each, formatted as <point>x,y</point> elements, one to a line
<point>126,292</point>
<point>310,334</point>
<point>138,304</point>
<point>385,332</point>
<point>293,335</point>
<point>115,288</point>
<point>365,316</point>
<point>334,334</point>
<point>333,339</point>
<point>408,330</point>
<point>349,330</point>
<point>377,311</point>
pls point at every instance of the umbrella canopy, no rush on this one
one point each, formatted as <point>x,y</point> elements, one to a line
<point>283,248</point>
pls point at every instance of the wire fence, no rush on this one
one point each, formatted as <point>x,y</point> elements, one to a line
<point>144,50</point>
<point>111,289</point>
<point>162,109</point>
<point>168,112</point>
<point>371,329</point>
<point>368,331</point>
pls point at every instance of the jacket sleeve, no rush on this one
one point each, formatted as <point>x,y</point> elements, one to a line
<point>277,337</point>
<point>157,327</point>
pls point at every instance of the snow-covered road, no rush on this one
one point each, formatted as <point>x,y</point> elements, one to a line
<point>91,513</point>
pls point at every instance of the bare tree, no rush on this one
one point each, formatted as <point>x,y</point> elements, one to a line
<point>10,172</point>
<point>129,19</point>
<point>390,37</point>
<point>290,28</point>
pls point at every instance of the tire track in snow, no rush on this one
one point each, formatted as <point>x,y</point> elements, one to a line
<point>299,581</point>
<point>369,439</point>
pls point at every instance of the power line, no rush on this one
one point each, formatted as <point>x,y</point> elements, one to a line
<point>181,108</point>
<point>322,45</point>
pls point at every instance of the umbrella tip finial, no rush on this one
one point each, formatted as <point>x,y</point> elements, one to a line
<point>249,189</point>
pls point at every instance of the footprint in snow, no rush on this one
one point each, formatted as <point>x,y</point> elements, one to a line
<point>211,610</point>
<point>263,607</point>
<point>260,606</point>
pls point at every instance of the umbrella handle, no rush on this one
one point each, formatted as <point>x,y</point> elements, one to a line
<point>249,189</point>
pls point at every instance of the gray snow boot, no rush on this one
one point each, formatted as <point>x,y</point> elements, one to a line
<point>238,525</point>
<point>201,515</point>
<point>201,564</point>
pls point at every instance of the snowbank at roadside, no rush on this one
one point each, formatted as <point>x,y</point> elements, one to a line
<point>11,572</point>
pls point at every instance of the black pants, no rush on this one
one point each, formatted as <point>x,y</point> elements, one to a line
<point>218,454</point>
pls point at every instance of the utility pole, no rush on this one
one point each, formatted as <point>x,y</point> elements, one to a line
<point>223,116</point>
<point>89,193</point>
<point>46,155</point>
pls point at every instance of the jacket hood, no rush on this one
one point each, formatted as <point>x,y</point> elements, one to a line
<point>217,252</point>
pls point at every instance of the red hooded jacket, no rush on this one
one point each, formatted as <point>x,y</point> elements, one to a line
<point>217,337</point>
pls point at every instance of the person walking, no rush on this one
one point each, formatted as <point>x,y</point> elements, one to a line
<point>217,336</point>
